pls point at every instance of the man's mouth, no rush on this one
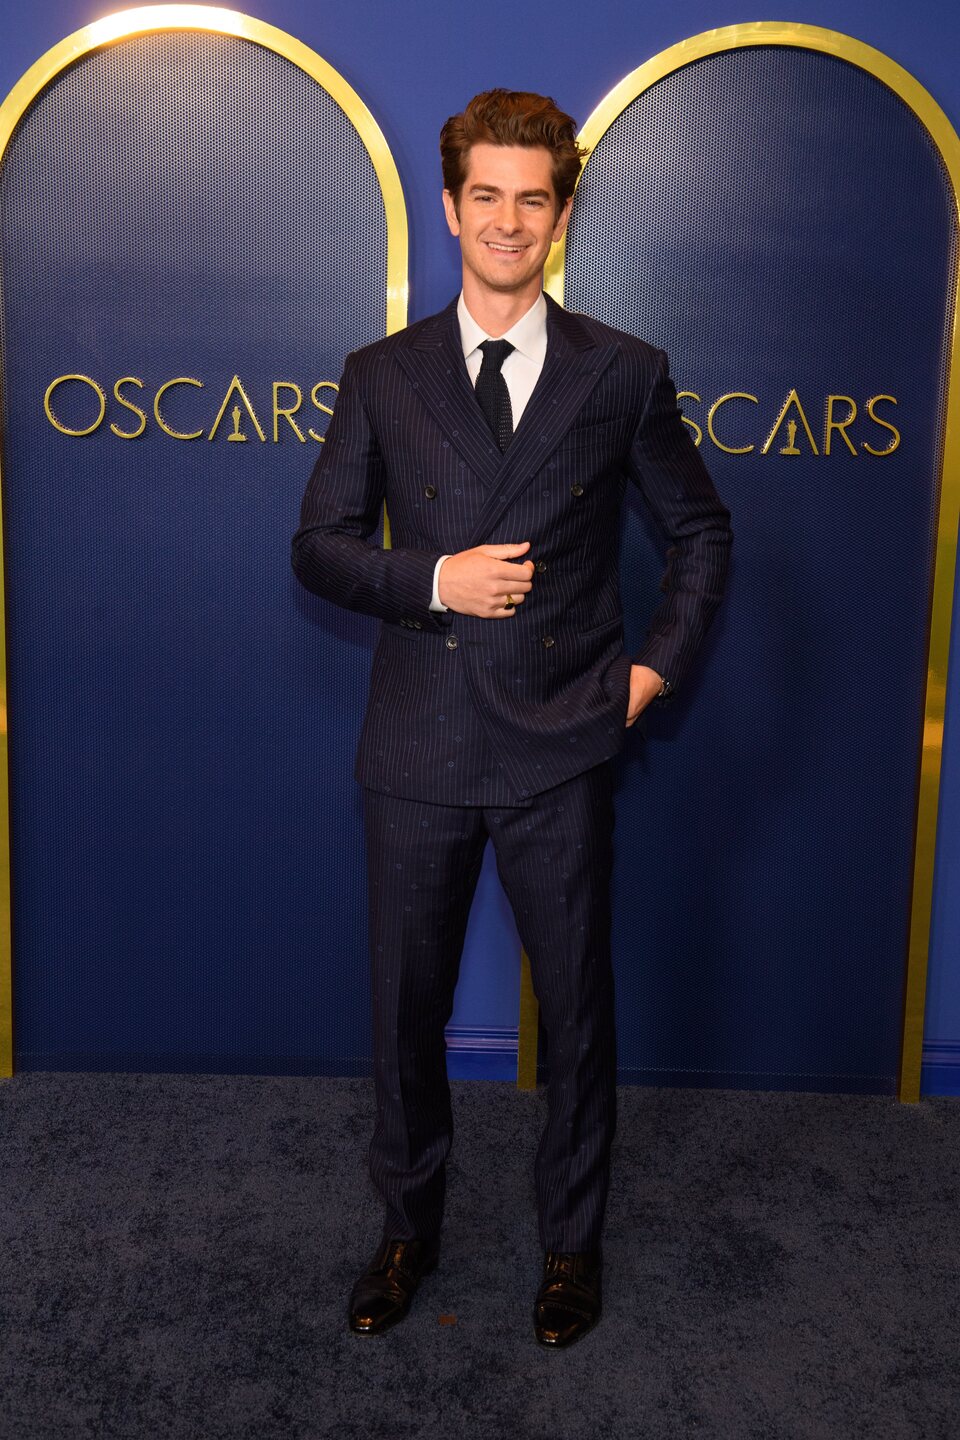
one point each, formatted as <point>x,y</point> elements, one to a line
<point>504,249</point>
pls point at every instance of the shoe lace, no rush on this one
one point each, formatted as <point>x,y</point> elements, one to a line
<point>561,1265</point>
<point>395,1256</point>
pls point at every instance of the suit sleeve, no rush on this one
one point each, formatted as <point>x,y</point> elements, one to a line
<point>666,467</point>
<point>331,553</point>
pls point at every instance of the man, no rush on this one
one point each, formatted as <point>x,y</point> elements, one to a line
<point>501,434</point>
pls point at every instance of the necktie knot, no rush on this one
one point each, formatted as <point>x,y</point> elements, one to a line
<point>495,352</point>
<point>492,392</point>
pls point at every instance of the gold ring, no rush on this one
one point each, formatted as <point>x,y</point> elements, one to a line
<point>509,602</point>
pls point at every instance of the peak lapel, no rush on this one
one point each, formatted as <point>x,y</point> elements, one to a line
<point>434,362</point>
<point>571,370</point>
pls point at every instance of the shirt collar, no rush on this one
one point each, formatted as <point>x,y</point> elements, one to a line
<point>528,335</point>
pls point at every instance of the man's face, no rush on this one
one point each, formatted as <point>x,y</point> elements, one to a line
<point>508,216</point>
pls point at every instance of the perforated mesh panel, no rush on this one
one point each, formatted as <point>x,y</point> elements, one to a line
<point>777,219</point>
<point>187,845</point>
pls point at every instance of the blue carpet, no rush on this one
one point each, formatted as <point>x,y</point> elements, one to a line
<point>177,1251</point>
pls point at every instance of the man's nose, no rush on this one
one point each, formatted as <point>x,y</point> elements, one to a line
<point>509,219</point>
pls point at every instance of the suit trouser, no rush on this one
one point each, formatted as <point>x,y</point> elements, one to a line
<point>554,860</point>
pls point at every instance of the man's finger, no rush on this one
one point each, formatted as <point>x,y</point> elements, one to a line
<point>504,552</point>
<point>501,609</point>
<point>511,572</point>
<point>511,579</point>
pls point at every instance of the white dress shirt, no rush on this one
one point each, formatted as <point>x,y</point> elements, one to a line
<point>521,371</point>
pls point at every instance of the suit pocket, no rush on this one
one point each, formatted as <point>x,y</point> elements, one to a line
<point>601,437</point>
<point>612,626</point>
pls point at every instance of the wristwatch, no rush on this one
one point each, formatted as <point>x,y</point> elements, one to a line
<point>666,689</point>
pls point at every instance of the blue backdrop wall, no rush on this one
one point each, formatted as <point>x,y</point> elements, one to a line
<point>417,63</point>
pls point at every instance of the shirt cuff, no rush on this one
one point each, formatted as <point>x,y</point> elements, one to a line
<point>436,603</point>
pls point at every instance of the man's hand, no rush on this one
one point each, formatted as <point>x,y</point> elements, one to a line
<point>645,686</point>
<point>479,581</point>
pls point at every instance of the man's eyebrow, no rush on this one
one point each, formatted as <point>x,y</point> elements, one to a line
<point>495,190</point>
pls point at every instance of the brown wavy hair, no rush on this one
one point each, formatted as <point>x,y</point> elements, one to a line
<point>511,117</point>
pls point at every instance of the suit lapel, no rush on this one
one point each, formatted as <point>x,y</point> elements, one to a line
<point>434,362</point>
<point>571,370</point>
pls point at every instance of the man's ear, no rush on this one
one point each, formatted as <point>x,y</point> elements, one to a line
<point>450,206</point>
<point>562,219</point>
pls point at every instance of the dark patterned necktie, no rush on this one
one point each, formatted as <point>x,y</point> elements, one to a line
<point>492,392</point>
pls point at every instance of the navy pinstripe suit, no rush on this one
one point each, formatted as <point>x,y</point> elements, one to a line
<point>478,727</point>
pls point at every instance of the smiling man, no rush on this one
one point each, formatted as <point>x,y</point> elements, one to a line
<point>501,433</point>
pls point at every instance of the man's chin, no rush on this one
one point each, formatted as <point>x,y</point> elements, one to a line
<point>508,284</point>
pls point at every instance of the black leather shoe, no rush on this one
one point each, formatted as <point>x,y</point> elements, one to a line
<point>383,1292</point>
<point>568,1301</point>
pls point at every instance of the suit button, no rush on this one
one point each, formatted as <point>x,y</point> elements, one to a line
<point>547,641</point>
<point>540,565</point>
<point>451,642</point>
<point>576,489</point>
<point>404,622</point>
<point>418,624</point>
<point>430,492</point>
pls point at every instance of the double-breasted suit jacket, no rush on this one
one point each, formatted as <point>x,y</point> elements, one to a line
<point>467,710</point>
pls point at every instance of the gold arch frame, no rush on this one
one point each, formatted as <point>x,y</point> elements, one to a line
<point>947,142</point>
<point>124,26</point>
